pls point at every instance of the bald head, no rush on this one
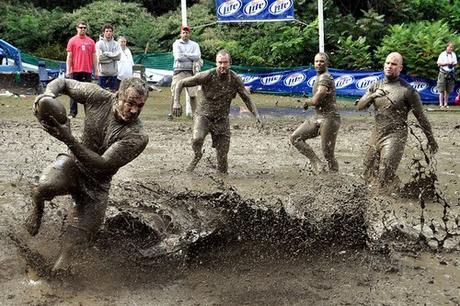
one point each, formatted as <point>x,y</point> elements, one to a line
<point>393,65</point>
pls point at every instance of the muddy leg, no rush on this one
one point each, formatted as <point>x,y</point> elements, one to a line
<point>390,154</point>
<point>57,179</point>
<point>84,221</point>
<point>193,105</point>
<point>200,130</point>
<point>303,132</point>
<point>329,130</point>
<point>222,143</point>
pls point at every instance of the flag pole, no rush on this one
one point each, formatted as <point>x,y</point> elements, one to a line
<point>321,25</point>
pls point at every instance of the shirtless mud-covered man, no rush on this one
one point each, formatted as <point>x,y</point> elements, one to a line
<point>392,98</point>
<point>326,121</point>
<point>112,137</point>
<point>219,87</point>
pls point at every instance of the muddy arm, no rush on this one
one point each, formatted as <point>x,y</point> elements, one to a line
<point>195,80</point>
<point>372,93</point>
<point>81,92</point>
<point>117,155</point>
<point>417,110</point>
<point>244,94</point>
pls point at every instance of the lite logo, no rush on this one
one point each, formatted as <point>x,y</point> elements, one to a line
<point>280,6</point>
<point>344,81</point>
<point>294,79</point>
<point>254,7</point>
<point>311,81</point>
<point>229,8</point>
<point>434,90</point>
<point>270,80</point>
<point>249,78</point>
<point>418,85</point>
<point>364,83</point>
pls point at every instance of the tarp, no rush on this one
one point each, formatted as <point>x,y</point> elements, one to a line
<point>348,83</point>
<point>254,10</point>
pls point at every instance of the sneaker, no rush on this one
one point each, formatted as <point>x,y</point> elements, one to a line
<point>71,116</point>
<point>446,107</point>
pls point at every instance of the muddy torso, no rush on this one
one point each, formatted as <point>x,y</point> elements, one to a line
<point>391,110</point>
<point>327,106</point>
<point>102,130</point>
<point>218,94</point>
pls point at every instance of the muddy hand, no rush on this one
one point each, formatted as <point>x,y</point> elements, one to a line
<point>38,98</point>
<point>177,110</point>
<point>59,131</point>
<point>433,146</point>
<point>380,93</point>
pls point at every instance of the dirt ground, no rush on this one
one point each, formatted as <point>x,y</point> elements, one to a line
<point>263,167</point>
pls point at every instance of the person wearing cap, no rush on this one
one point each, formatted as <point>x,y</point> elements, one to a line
<point>187,59</point>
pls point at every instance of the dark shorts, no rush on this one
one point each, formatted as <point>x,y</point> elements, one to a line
<point>446,82</point>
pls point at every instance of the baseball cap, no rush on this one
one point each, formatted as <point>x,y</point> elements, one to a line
<point>185,28</point>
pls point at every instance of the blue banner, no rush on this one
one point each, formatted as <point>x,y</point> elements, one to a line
<point>348,83</point>
<point>254,10</point>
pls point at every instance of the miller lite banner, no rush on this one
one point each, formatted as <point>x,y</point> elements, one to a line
<point>254,10</point>
<point>348,83</point>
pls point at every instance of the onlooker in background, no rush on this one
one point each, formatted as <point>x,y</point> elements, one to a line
<point>125,64</point>
<point>447,61</point>
<point>81,60</point>
<point>108,54</point>
<point>187,56</point>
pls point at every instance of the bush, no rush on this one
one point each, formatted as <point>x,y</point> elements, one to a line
<point>352,54</point>
<point>420,44</point>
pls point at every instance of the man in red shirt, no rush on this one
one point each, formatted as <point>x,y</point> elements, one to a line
<point>81,59</point>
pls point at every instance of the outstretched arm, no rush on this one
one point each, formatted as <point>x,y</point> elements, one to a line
<point>195,80</point>
<point>81,92</point>
<point>417,109</point>
<point>244,94</point>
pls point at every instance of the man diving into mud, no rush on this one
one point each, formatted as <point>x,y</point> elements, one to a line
<point>219,87</point>
<point>112,137</point>
<point>392,98</point>
<point>326,121</point>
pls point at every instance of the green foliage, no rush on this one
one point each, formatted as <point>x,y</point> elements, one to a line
<point>34,28</point>
<point>420,44</point>
<point>353,54</point>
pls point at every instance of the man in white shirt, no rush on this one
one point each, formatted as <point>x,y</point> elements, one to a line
<point>447,61</point>
<point>187,56</point>
<point>125,64</point>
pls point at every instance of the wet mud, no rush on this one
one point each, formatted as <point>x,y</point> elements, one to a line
<point>269,233</point>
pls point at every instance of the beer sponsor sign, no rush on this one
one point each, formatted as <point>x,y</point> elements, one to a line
<point>254,10</point>
<point>300,81</point>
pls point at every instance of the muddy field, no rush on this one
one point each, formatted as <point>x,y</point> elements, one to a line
<point>239,238</point>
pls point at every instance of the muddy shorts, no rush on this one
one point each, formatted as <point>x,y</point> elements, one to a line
<point>446,82</point>
<point>192,91</point>
<point>218,128</point>
<point>91,197</point>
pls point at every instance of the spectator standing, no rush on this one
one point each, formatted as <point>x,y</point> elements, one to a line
<point>187,59</point>
<point>81,60</point>
<point>125,64</point>
<point>108,54</point>
<point>447,61</point>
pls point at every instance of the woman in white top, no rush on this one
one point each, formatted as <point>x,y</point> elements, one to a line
<point>125,64</point>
